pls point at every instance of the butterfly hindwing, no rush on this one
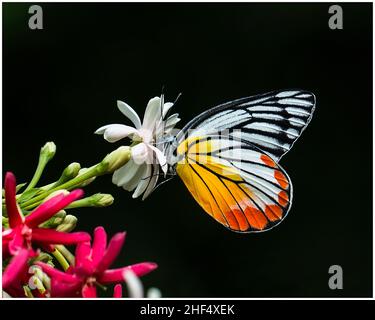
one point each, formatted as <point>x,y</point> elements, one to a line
<point>271,121</point>
<point>235,182</point>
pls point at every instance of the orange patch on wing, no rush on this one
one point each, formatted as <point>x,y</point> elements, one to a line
<point>240,204</point>
<point>281,179</point>
<point>268,161</point>
<point>273,212</point>
<point>223,198</point>
<point>283,198</point>
<point>233,224</point>
<point>256,218</point>
<point>242,222</point>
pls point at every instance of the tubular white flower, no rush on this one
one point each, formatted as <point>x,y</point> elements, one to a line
<point>135,287</point>
<point>141,172</point>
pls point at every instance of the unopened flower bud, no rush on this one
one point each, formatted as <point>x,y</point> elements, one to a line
<point>86,182</point>
<point>56,220</point>
<point>102,199</point>
<point>68,224</point>
<point>71,171</point>
<point>48,150</point>
<point>116,159</point>
<point>96,200</point>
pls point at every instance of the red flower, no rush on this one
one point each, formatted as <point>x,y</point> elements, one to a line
<point>24,232</point>
<point>91,268</point>
<point>13,274</point>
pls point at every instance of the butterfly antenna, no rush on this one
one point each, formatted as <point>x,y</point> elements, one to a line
<point>174,102</point>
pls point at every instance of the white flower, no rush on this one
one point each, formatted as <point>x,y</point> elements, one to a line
<point>135,287</point>
<point>141,172</point>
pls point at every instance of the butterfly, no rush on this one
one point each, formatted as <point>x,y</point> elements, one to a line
<point>228,157</point>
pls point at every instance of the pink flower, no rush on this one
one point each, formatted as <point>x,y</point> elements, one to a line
<point>14,272</point>
<point>117,291</point>
<point>24,232</point>
<point>92,268</point>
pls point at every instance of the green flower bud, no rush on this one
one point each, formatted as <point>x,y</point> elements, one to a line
<point>86,182</point>
<point>68,224</point>
<point>115,160</point>
<point>48,150</point>
<point>70,172</point>
<point>56,220</point>
<point>96,200</point>
<point>102,199</point>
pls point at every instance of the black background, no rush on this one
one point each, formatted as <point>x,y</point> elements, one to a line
<point>61,83</point>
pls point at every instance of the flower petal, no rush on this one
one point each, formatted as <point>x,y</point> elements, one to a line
<point>153,181</point>
<point>65,290</point>
<point>112,251</point>
<point>129,176</point>
<point>82,259</point>
<point>172,121</point>
<point>57,274</point>
<point>5,252</point>
<point>127,168</point>
<point>129,112</point>
<point>166,107</point>
<point>135,286</point>
<point>162,160</point>
<point>49,236</point>
<point>17,242</point>
<point>99,245</point>
<point>117,291</point>
<point>137,178</point>
<point>102,129</point>
<point>89,291</point>
<point>15,268</point>
<point>49,208</point>
<point>143,183</point>
<point>116,132</point>
<point>152,114</point>
<point>14,214</point>
<point>116,275</point>
<point>139,153</point>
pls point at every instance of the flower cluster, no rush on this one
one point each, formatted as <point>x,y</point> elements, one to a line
<point>36,228</point>
<point>26,240</point>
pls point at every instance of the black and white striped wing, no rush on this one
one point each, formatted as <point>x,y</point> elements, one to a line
<point>271,121</point>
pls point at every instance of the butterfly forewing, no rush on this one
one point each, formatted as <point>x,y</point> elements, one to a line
<point>272,121</point>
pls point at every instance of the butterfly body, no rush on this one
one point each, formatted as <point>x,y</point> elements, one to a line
<point>228,158</point>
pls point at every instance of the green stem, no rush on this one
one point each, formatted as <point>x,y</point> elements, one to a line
<point>61,259</point>
<point>38,173</point>
<point>92,172</point>
<point>66,253</point>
